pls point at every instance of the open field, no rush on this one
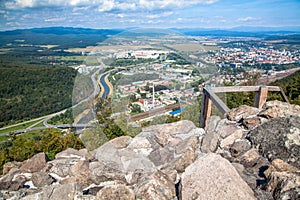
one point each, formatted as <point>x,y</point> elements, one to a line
<point>72,58</point>
<point>187,47</point>
<point>18,127</point>
<point>107,48</point>
<point>211,48</point>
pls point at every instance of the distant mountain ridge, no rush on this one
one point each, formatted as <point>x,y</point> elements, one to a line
<point>236,31</point>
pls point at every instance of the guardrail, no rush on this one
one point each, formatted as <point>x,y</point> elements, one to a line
<point>209,96</point>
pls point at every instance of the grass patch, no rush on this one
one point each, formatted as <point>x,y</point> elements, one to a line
<point>72,58</point>
<point>19,127</point>
<point>3,138</point>
<point>41,124</point>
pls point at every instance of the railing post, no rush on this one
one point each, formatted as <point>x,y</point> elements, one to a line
<point>260,96</point>
<point>206,108</point>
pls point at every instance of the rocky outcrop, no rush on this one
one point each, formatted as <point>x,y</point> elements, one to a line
<point>275,109</point>
<point>283,180</point>
<point>280,139</point>
<point>34,164</point>
<point>251,154</point>
<point>213,177</point>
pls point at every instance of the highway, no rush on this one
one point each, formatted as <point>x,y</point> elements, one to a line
<point>61,126</point>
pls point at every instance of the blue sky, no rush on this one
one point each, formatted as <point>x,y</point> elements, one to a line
<point>16,14</point>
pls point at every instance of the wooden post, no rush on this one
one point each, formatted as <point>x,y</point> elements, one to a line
<point>206,108</point>
<point>260,96</point>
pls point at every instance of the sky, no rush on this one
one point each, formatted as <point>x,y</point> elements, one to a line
<point>100,14</point>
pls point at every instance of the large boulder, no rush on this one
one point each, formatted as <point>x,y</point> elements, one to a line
<point>58,192</point>
<point>278,138</point>
<point>41,179</point>
<point>34,164</point>
<point>213,177</point>
<point>242,112</point>
<point>156,186</point>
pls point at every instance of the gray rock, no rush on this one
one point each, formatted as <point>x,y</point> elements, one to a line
<point>229,140</point>
<point>249,158</point>
<point>41,179</point>
<point>274,109</point>
<point>160,156</point>
<point>118,191</point>
<point>71,153</point>
<point>250,123</point>
<point>121,142</point>
<point>102,172</point>
<point>61,167</point>
<point>180,127</point>
<point>225,129</point>
<point>35,196</point>
<point>13,185</point>
<point>212,123</point>
<point>239,147</point>
<point>59,192</point>
<point>278,138</point>
<point>170,134</point>
<point>11,165</point>
<point>34,164</point>
<point>242,112</point>
<point>81,172</point>
<point>217,179</point>
<point>107,153</point>
<point>209,142</point>
<point>187,158</point>
<point>12,195</point>
<point>284,185</point>
<point>283,180</point>
<point>156,186</point>
<point>189,143</point>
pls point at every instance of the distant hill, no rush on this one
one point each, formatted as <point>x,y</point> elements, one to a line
<point>66,37</point>
<point>241,31</point>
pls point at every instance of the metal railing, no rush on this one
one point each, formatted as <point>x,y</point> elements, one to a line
<point>209,96</point>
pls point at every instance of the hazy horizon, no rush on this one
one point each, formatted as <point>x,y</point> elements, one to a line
<point>111,14</point>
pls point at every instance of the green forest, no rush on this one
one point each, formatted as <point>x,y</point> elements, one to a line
<point>291,87</point>
<point>289,84</point>
<point>31,91</point>
<point>26,145</point>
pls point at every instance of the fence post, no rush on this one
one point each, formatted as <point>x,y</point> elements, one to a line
<point>206,108</point>
<point>260,96</point>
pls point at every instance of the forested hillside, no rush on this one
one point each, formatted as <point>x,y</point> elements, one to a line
<point>33,91</point>
<point>291,87</point>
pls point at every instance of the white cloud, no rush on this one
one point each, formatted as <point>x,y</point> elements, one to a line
<point>155,16</point>
<point>2,12</point>
<point>246,19</point>
<point>107,5</point>
<point>57,19</point>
